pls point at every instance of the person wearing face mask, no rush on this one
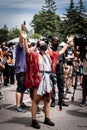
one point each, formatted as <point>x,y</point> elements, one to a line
<point>40,64</point>
<point>55,46</point>
<point>38,81</point>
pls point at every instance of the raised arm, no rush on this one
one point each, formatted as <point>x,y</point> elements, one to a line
<point>21,39</point>
<point>27,49</point>
<point>69,40</point>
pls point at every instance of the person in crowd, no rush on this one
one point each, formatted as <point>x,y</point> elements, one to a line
<point>80,77</point>
<point>5,71</point>
<point>20,69</point>
<point>2,67</point>
<point>69,57</point>
<point>84,79</point>
<point>39,67</point>
<point>55,46</point>
<point>1,81</point>
<point>11,65</point>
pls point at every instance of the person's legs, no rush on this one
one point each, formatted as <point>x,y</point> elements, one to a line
<point>69,79</point>
<point>31,96</point>
<point>84,94</point>
<point>47,106</point>
<point>61,85</point>
<point>84,91</point>
<point>66,77</point>
<point>20,91</point>
<point>52,104</point>
<point>19,101</point>
<point>12,74</point>
<point>35,101</point>
<point>67,83</point>
<point>47,121</point>
<point>19,98</point>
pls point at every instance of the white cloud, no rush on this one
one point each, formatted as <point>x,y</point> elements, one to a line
<point>14,12</point>
<point>16,20</point>
<point>22,4</point>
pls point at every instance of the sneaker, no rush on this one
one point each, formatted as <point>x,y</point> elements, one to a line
<point>62,103</point>
<point>70,91</point>
<point>26,92</point>
<point>48,122</point>
<point>65,104</point>
<point>38,110</point>
<point>23,106</point>
<point>52,102</point>
<point>35,124</point>
<point>83,103</point>
<point>20,109</point>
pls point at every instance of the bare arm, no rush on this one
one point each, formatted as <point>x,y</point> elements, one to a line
<point>27,49</point>
<point>26,46</point>
<point>63,49</point>
<point>21,39</point>
<point>69,40</point>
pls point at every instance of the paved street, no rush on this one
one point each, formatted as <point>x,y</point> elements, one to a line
<point>70,118</point>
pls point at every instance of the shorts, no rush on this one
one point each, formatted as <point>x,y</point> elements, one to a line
<point>20,77</point>
<point>84,82</point>
<point>81,70</point>
<point>68,71</point>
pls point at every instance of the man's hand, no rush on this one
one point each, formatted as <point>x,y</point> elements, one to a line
<point>70,39</point>
<point>23,34</point>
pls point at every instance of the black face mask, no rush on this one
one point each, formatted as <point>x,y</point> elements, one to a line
<point>43,47</point>
<point>54,47</point>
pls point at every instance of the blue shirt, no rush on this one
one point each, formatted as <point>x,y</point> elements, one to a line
<point>20,61</point>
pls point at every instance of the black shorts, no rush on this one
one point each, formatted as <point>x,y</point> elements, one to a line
<point>84,82</point>
<point>20,77</point>
<point>80,70</point>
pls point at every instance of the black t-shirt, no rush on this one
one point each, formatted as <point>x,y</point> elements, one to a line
<point>69,52</point>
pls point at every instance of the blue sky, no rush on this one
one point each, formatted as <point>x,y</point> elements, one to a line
<point>14,12</point>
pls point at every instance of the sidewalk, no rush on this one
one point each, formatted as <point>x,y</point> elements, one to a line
<point>73,117</point>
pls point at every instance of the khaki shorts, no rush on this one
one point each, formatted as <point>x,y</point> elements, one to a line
<point>69,70</point>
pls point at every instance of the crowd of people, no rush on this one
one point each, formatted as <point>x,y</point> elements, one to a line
<point>41,67</point>
<point>7,59</point>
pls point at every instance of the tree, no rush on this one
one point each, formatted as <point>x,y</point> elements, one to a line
<point>67,25</point>
<point>81,7</point>
<point>46,21</point>
<point>6,35</point>
<point>13,34</point>
<point>50,6</point>
<point>75,22</point>
<point>82,18</point>
<point>3,35</point>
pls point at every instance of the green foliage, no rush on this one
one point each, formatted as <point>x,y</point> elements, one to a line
<point>46,21</point>
<point>50,6</point>
<point>13,34</point>
<point>35,36</point>
<point>75,21</point>
<point>6,35</point>
<point>3,35</point>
